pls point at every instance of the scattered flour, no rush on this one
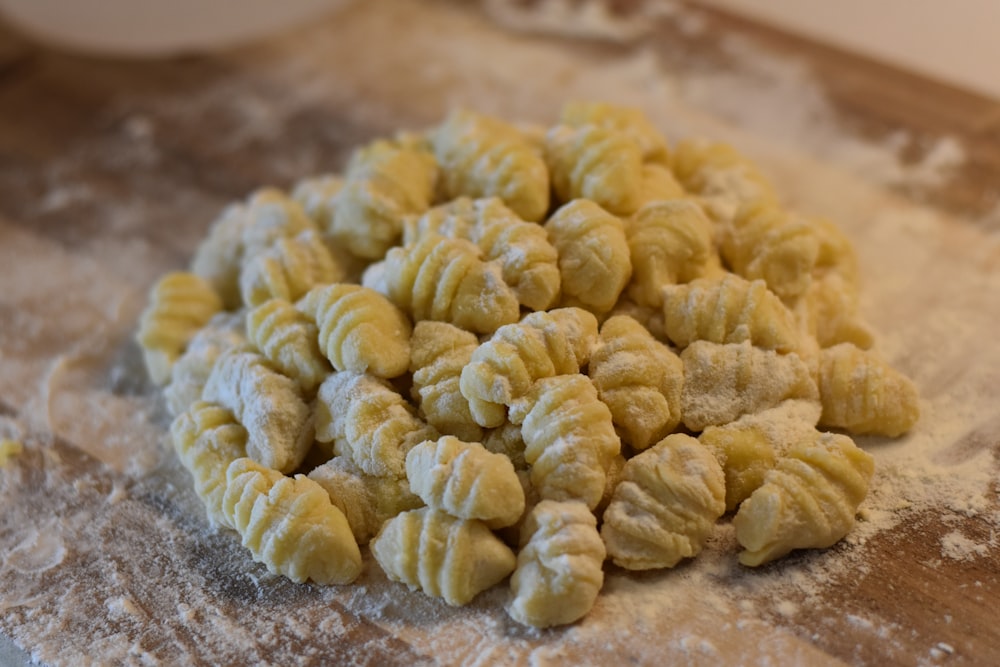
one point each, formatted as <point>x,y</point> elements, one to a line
<point>103,534</point>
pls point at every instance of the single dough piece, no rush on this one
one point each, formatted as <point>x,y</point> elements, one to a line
<point>444,556</point>
<point>190,372</point>
<point>558,573</point>
<point>290,525</point>
<point>591,162</point>
<point>359,329</point>
<point>750,446</point>
<point>288,339</point>
<point>384,182</point>
<point>439,352</point>
<point>528,262</point>
<point>861,393</point>
<point>829,312</point>
<point>767,243</point>
<point>593,255</point>
<point>542,344</point>
<point>649,317</point>
<point>207,439</point>
<point>368,501</point>
<point>569,438</point>
<point>466,480</point>
<point>807,502</point>
<point>626,120</point>
<point>180,304</point>
<point>658,185</point>
<point>665,506</point>
<point>724,180</point>
<point>728,310</point>
<point>481,156</point>
<point>669,242</point>
<point>639,379</point>
<point>369,422</point>
<point>288,269</point>
<point>267,403</point>
<point>724,382</point>
<point>447,280</point>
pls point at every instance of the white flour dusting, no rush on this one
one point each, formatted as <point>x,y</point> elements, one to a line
<point>105,551</point>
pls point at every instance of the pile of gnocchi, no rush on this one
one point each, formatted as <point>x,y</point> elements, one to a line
<point>490,351</point>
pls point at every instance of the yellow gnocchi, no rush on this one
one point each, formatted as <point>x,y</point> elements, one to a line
<point>541,345</point>
<point>665,506</point>
<point>288,269</point>
<point>290,525</point>
<point>268,404</point>
<point>439,352</point>
<point>444,556</point>
<point>594,259</point>
<point>595,163</point>
<point>180,304</point>
<point>639,379</point>
<point>569,438</point>
<point>558,574</point>
<point>207,438</point>
<point>289,340</point>
<point>808,501</point>
<point>368,422</point>
<point>482,156</point>
<point>466,480</point>
<point>861,393</point>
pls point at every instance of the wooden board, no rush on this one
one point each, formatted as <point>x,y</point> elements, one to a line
<point>110,172</point>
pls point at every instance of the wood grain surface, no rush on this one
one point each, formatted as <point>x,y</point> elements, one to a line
<point>110,171</point>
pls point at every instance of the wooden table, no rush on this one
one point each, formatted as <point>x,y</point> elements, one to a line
<point>111,170</point>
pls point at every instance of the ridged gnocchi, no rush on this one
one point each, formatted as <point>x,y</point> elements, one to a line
<point>367,501</point>
<point>541,345</point>
<point>728,309</point>
<point>724,382</point>
<point>481,156</point>
<point>639,379</point>
<point>594,259</point>
<point>627,120</point>
<point>446,557</point>
<point>724,181</point>
<point>190,372</point>
<point>569,438</point>
<point>528,261</point>
<point>808,501</point>
<point>861,393</point>
<point>288,269</point>
<point>268,404</point>
<point>670,242</point>
<point>665,506</point>
<point>466,480</point>
<point>368,422</point>
<point>595,163</point>
<point>750,446</point>
<point>180,304</point>
<point>439,352</point>
<point>447,280</point>
<point>290,525</point>
<point>384,182</point>
<point>289,340</point>
<point>359,329</point>
<point>558,574</point>
<point>207,438</point>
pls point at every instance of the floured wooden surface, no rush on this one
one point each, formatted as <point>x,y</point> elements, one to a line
<point>110,174</point>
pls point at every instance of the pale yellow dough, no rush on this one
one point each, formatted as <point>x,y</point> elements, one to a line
<point>180,304</point>
<point>665,506</point>
<point>439,352</point>
<point>595,163</point>
<point>628,120</point>
<point>639,379</point>
<point>290,525</point>
<point>446,557</point>
<point>594,257</point>
<point>289,340</point>
<point>207,438</point>
<point>288,269</point>
<point>808,501</point>
<point>466,480</point>
<point>558,573</point>
<point>190,372</point>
